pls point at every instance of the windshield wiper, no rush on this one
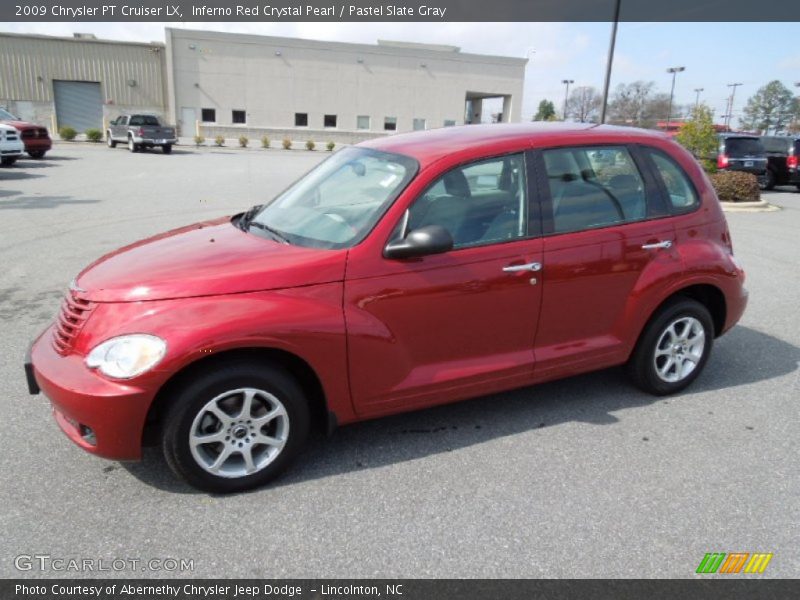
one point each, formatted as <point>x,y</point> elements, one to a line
<point>246,217</point>
<point>273,232</point>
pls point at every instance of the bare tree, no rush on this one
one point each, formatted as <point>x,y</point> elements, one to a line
<point>584,103</point>
<point>627,105</point>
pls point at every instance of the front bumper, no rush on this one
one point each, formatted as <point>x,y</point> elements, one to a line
<point>37,144</point>
<point>103,417</point>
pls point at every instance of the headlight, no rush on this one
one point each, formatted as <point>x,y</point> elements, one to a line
<point>127,356</point>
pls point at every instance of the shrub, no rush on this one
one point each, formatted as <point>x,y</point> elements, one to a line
<point>199,140</point>
<point>67,133</point>
<point>310,145</point>
<point>265,142</point>
<point>330,146</point>
<point>94,135</point>
<point>699,137</point>
<point>735,186</point>
<point>287,143</point>
<point>243,141</point>
<point>219,140</point>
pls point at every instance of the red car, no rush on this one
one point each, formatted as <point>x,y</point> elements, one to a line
<point>36,139</point>
<point>400,273</point>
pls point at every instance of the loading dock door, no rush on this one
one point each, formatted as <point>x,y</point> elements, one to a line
<point>79,104</point>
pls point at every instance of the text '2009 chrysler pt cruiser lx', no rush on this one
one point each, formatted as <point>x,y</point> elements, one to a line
<point>398,274</point>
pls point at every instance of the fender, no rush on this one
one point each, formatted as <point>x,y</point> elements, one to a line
<point>306,321</point>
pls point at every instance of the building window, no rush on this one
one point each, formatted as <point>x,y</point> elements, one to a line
<point>208,115</point>
<point>301,119</point>
<point>239,117</point>
<point>449,123</point>
<point>419,124</point>
<point>390,123</point>
<point>362,122</point>
<point>329,121</point>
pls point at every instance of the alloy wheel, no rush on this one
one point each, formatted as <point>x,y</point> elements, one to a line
<point>679,349</point>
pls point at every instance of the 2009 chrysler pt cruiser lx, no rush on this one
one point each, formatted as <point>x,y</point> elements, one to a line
<point>398,274</point>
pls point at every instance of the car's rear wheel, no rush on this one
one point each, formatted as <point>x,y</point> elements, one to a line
<point>111,143</point>
<point>673,349</point>
<point>236,427</point>
<point>36,153</point>
<point>132,146</point>
<point>769,180</point>
<point>166,148</point>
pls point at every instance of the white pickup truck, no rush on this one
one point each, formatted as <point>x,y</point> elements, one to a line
<point>140,131</point>
<point>11,146</point>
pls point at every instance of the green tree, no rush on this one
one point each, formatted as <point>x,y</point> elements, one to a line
<point>699,137</point>
<point>546,112</point>
<point>771,108</point>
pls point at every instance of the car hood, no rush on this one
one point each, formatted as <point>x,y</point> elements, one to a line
<point>21,125</point>
<point>205,259</point>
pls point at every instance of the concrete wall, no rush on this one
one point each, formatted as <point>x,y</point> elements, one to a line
<point>30,63</point>
<point>273,78</point>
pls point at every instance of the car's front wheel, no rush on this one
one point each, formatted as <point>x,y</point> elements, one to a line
<point>673,348</point>
<point>8,161</point>
<point>236,427</point>
<point>111,143</point>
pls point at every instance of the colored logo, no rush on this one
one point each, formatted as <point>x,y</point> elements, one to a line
<point>734,562</point>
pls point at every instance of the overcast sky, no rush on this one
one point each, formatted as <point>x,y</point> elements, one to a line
<point>714,54</point>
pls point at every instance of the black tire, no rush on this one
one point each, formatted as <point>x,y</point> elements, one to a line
<point>642,366</point>
<point>8,161</point>
<point>190,403</point>
<point>167,148</point>
<point>37,153</point>
<point>132,146</point>
<point>769,180</point>
<point>111,143</point>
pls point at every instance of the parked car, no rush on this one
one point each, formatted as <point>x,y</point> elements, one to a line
<point>35,137</point>
<point>400,273</point>
<point>140,131</point>
<point>742,152</point>
<point>11,146</point>
<point>782,154</point>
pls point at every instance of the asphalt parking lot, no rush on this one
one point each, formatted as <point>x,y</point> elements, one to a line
<point>585,477</point>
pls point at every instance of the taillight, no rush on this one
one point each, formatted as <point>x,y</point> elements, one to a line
<point>140,132</point>
<point>791,162</point>
<point>722,161</point>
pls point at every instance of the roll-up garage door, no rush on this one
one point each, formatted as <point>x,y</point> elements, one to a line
<point>79,104</point>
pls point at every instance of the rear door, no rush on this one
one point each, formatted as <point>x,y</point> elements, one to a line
<point>603,231</point>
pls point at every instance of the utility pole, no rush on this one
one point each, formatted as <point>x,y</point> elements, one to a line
<point>610,61</point>
<point>566,82</point>
<point>674,71</point>
<point>697,97</point>
<point>733,87</point>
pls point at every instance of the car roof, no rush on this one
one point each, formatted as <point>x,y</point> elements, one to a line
<point>431,145</point>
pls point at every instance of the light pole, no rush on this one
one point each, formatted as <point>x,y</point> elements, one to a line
<point>674,71</point>
<point>697,97</point>
<point>730,105</point>
<point>609,61</point>
<point>566,82</point>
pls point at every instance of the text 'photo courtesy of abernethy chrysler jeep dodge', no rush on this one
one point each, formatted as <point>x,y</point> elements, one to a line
<point>400,273</point>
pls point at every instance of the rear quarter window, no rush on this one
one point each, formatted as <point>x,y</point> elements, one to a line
<point>681,193</point>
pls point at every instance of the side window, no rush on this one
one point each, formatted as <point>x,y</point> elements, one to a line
<point>479,203</point>
<point>682,196</point>
<point>594,187</point>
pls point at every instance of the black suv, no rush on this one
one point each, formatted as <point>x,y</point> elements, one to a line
<point>782,154</point>
<point>743,152</point>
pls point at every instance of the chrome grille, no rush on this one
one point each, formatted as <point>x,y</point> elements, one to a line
<point>73,314</point>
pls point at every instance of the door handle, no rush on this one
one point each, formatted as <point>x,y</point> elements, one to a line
<point>534,266</point>
<point>657,246</point>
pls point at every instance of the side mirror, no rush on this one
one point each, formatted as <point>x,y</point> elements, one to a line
<point>431,239</point>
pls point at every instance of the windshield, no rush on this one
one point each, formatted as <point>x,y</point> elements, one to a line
<point>744,147</point>
<point>144,120</point>
<point>337,203</point>
<point>6,116</point>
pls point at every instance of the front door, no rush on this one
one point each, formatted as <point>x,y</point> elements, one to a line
<point>447,326</point>
<point>188,122</point>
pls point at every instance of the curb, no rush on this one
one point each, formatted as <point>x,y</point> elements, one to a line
<point>760,206</point>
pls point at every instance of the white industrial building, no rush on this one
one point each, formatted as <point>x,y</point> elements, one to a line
<point>231,84</point>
